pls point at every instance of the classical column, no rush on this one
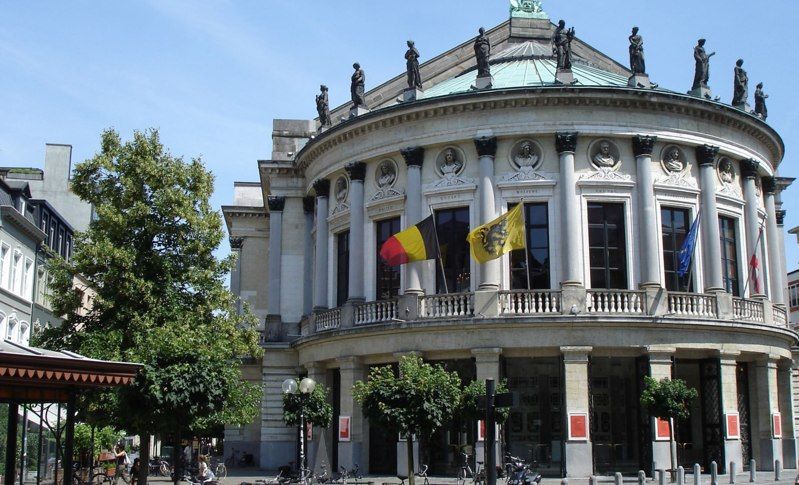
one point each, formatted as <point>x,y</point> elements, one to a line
<point>647,218</point>
<point>357,172</point>
<point>353,451</point>
<point>786,393</point>
<point>752,221</point>
<point>414,158</point>
<point>578,451</point>
<point>766,448</point>
<point>322,188</point>
<point>486,150</point>
<point>276,204</point>
<point>308,256</point>
<point>709,223</point>
<point>773,235</point>
<point>486,361</point>
<point>572,247</point>
<point>236,244</point>
<point>729,404</point>
<point>780,216</point>
<point>660,364</point>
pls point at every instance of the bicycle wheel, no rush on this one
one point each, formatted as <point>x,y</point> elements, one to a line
<point>461,478</point>
<point>221,471</point>
<point>164,470</point>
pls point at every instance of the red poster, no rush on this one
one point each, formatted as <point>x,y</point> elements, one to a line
<point>578,426</point>
<point>733,426</point>
<point>661,429</point>
<point>343,428</point>
<point>481,430</point>
<point>776,420</point>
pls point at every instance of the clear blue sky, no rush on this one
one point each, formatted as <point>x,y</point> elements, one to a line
<point>212,75</point>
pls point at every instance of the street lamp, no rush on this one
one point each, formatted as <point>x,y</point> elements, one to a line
<point>305,388</point>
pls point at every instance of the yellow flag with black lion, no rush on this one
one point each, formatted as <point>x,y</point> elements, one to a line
<point>503,234</point>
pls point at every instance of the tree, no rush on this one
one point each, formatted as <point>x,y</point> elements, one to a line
<point>669,400</point>
<point>421,399</point>
<point>318,411</point>
<point>104,439</point>
<point>470,394</point>
<point>159,296</point>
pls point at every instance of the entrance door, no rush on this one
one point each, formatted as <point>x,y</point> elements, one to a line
<point>711,414</point>
<point>614,415</point>
<point>742,376</point>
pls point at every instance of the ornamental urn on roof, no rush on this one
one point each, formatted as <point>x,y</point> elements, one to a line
<point>527,9</point>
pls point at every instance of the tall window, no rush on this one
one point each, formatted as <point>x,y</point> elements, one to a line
<point>674,226</point>
<point>27,279</point>
<point>536,221</point>
<point>4,265</point>
<point>342,267</point>
<point>15,284</point>
<point>387,277</point>
<point>793,296</point>
<point>729,255</point>
<point>452,227</point>
<point>607,247</point>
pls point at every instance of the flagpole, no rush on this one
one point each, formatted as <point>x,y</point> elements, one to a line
<point>526,251</point>
<point>749,261</point>
<point>438,250</point>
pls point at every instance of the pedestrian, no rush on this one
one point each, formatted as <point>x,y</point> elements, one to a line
<point>204,474</point>
<point>122,462</point>
<point>134,471</point>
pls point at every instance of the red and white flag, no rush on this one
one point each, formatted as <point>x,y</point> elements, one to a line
<point>754,266</point>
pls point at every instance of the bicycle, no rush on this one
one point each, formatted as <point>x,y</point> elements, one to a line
<point>423,475</point>
<point>99,476</point>
<point>351,473</point>
<point>278,479</point>
<point>220,470</point>
<point>465,471</point>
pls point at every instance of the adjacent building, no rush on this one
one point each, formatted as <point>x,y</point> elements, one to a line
<point>612,173</point>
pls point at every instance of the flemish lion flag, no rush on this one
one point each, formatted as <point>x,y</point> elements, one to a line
<point>503,234</point>
<point>416,243</point>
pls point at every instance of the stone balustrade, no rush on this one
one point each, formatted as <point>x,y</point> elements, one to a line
<point>574,302</point>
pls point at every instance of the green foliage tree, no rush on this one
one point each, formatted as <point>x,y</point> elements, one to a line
<point>469,396</point>
<point>104,439</point>
<point>160,298</point>
<point>419,400</point>
<point>669,400</point>
<point>317,410</point>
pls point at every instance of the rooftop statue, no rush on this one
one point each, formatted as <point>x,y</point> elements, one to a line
<point>412,67</point>
<point>358,87</point>
<point>482,51</point>
<point>740,85</point>
<point>760,102</point>
<point>702,71</point>
<point>530,9</point>
<point>323,106</point>
<point>562,45</point>
<point>637,64</point>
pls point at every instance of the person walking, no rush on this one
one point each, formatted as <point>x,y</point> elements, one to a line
<point>122,462</point>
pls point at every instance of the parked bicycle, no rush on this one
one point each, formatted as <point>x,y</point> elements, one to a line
<point>80,476</point>
<point>278,479</point>
<point>521,472</point>
<point>478,476</point>
<point>352,473</point>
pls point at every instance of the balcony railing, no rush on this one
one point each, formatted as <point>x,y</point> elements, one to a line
<point>529,302</point>
<point>447,305</point>
<point>692,305</point>
<point>570,302</point>
<point>623,302</point>
<point>328,319</point>
<point>748,310</point>
<point>376,312</point>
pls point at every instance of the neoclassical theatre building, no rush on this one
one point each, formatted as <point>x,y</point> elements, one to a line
<point>612,171</point>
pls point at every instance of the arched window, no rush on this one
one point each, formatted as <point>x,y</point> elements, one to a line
<point>24,333</point>
<point>3,326</point>
<point>12,330</point>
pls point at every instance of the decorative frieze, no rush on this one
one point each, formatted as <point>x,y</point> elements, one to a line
<point>276,203</point>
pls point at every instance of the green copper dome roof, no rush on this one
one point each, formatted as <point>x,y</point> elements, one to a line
<point>528,64</point>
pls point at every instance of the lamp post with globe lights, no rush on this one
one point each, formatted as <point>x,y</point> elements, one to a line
<point>305,387</point>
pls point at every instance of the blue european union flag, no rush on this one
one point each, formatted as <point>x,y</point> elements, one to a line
<point>687,250</point>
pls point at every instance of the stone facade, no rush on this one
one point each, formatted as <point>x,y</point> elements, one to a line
<point>608,309</point>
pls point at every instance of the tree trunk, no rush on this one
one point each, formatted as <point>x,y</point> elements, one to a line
<point>672,450</point>
<point>144,458</point>
<point>176,465</point>
<point>411,467</point>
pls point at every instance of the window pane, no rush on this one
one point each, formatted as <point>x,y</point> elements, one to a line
<point>452,227</point>
<point>387,277</point>
<point>342,267</point>
<point>607,252</point>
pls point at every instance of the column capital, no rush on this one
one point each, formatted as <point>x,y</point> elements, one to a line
<point>314,368</point>
<point>276,203</point>
<point>486,146</point>
<point>706,154</point>
<point>308,204</point>
<point>767,360</point>
<point>349,363</point>
<point>660,354</point>
<point>566,141</point>
<point>236,242</point>
<point>406,353</point>
<point>576,353</point>
<point>643,144</point>
<point>356,171</point>
<point>749,168</point>
<point>487,354</point>
<point>729,357</point>
<point>781,217</point>
<point>414,156</point>
<point>769,185</point>
<point>322,187</point>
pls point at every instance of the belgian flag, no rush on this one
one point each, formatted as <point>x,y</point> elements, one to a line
<point>416,243</point>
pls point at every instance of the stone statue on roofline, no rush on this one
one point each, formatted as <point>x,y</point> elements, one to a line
<point>701,71</point>
<point>760,102</point>
<point>482,52</point>
<point>323,106</point>
<point>412,67</point>
<point>637,64</point>
<point>740,87</point>
<point>358,92</point>
<point>562,50</point>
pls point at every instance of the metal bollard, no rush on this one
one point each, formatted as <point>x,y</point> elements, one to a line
<point>732,472</point>
<point>618,479</point>
<point>752,471</point>
<point>777,470</point>
<point>565,481</point>
<point>661,477</point>
<point>641,477</point>
<point>697,474</point>
<point>714,473</point>
<point>680,475</point>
